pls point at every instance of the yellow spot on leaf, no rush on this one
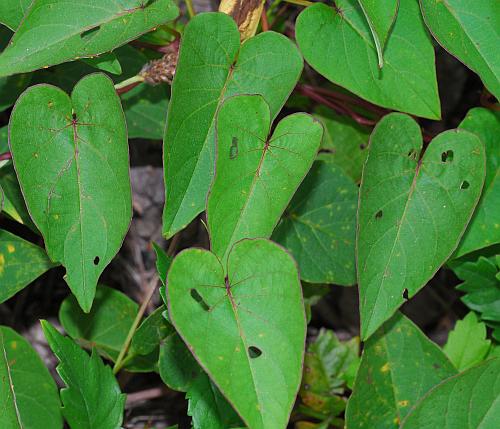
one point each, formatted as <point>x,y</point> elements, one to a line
<point>10,248</point>
<point>13,345</point>
<point>385,368</point>
<point>403,403</point>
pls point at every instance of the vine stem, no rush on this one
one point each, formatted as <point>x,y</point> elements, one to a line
<point>190,8</point>
<point>5,156</point>
<point>149,294</point>
<point>130,82</point>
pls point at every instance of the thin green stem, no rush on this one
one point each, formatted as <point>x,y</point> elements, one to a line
<point>190,8</point>
<point>129,81</point>
<point>149,294</point>
<point>304,3</point>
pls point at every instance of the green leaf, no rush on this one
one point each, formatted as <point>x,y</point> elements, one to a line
<point>13,11</point>
<point>106,326</point>
<point>257,174</point>
<point>56,32</point>
<point>325,364</point>
<point>92,398</point>
<point>399,365</point>
<point>246,329</point>
<point>21,262</point>
<point>481,285</point>
<point>212,67</point>
<point>82,217</point>
<point>467,345</point>
<point>466,401</point>
<point>484,227</point>
<point>28,394</point>
<point>412,213</point>
<point>346,140</point>
<point>340,47</point>
<point>380,16</point>
<point>107,62</point>
<point>469,33</point>
<point>319,226</point>
<point>4,139</point>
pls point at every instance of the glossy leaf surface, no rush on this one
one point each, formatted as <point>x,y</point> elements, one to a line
<point>74,175</point>
<point>247,331</point>
<point>256,174</point>
<point>412,213</point>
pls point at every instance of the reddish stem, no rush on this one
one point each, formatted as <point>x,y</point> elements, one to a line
<point>264,22</point>
<point>5,156</point>
<point>127,88</point>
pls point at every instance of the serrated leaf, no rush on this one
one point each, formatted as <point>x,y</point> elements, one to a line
<point>469,400</point>
<point>469,33</point>
<point>412,212</point>
<point>380,16</point>
<point>211,68</point>
<point>13,11</point>
<point>338,44</point>
<point>387,385</point>
<point>484,227</point>
<point>92,398</point>
<point>106,326</point>
<point>345,140</point>
<point>256,173</point>
<point>319,226</point>
<point>21,262</point>
<point>246,329</point>
<point>28,394</point>
<point>107,62</point>
<point>467,345</point>
<point>52,33</point>
<point>74,173</point>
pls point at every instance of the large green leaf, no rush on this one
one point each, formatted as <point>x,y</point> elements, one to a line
<point>256,173</point>
<point>211,68</point>
<point>28,394</point>
<point>74,173</point>
<point>245,326</point>
<point>412,212</point>
<point>399,365</point>
<point>13,11</point>
<point>56,31</point>
<point>467,344</point>
<point>92,398</point>
<point>21,262</point>
<point>338,44</point>
<point>470,32</point>
<point>484,227</point>
<point>319,226</point>
<point>4,140</point>
<point>470,400</point>
<point>380,16</point>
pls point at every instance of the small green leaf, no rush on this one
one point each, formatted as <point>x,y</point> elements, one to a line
<point>466,401</point>
<point>56,32</point>
<point>467,345</point>
<point>28,394</point>
<point>212,67</point>
<point>13,11</point>
<point>246,328</point>
<point>380,16</point>
<point>319,226</point>
<point>399,365</point>
<point>21,262</point>
<point>106,326</point>
<point>412,212</point>
<point>338,44</point>
<point>107,62</point>
<point>484,227</point>
<point>92,398</point>
<point>470,33</point>
<point>60,165</point>
<point>257,174</point>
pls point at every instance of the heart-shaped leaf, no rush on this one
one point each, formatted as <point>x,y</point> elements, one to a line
<point>246,328</point>
<point>52,32</point>
<point>338,44</point>
<point>15,253</point>
<point>256,173</point>
<point>319,226</point>
<point>412,212</point>
<point>380,16</point>
<point>28,393</point>
<point>72,165</point>
<point>469,32</point>
<point>469,400</point>
<point>212,67</point>
<point>387,386</point>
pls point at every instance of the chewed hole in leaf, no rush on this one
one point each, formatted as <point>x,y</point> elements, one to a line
<point>447,156</point>
<point>87,34</point>
<point>405,294</point>
<point>254,352</point>
<point>379,214</point>
<point>96,260</point>
<point>362,146</point>
<point>465,185</point>
<point>199,299</point>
